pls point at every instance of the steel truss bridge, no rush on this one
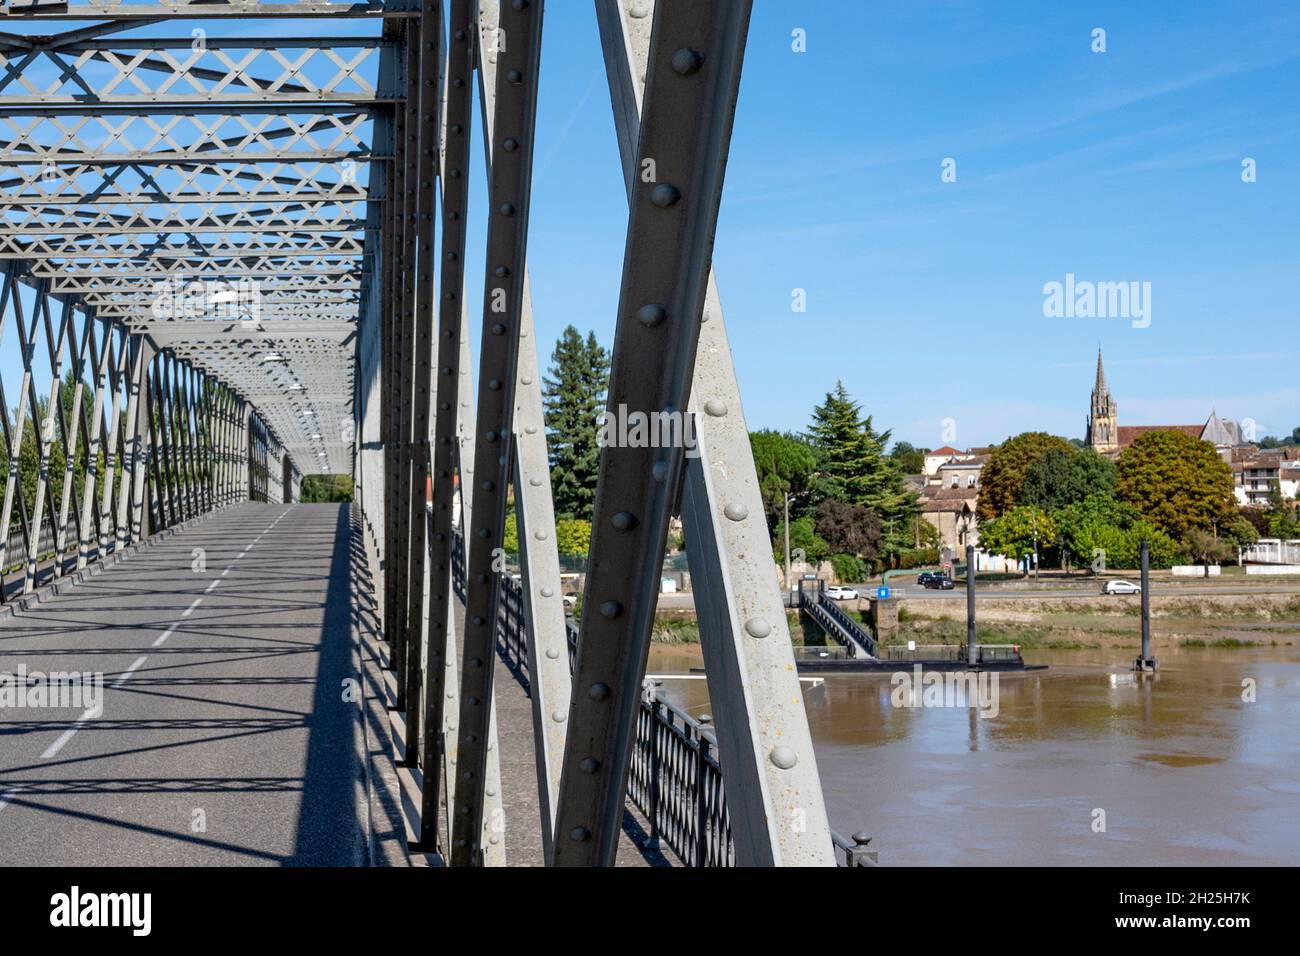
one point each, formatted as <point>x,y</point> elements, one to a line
<point>232,257</point>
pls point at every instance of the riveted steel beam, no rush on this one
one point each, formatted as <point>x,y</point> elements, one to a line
<point>692,78</point>
<point>777,814</point>
<point>510,185</point>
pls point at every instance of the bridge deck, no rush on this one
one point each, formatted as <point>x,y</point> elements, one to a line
<point>224,737</point>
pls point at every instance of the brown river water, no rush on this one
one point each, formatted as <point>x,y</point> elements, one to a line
<point>1186,772</point>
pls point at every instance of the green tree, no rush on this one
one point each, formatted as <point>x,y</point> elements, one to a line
<point>1177,482</point>
<point>849,529</point>
<point>1004,474</point>
<point>326,489</point>
<point>910,459</point>
<point>804,537</point>
<point>1205,548</point>
<point>785,463</point>
<point>853,468</point>
<point>573,537</point>
<point>1061,477</point>
<point>1013,534</point>
<point>574,395</point>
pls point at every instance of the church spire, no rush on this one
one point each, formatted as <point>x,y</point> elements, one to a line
<point>1100,388</point>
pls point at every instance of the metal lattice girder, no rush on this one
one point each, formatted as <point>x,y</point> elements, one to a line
<point>207,134</point>
<point>171,71</point>
<point>64,183</point>
<point>188,9</point>
<point>199,270</point>
<point>777,814</point>
<point>268,243</point>
<point>509,192</point>
<point>691,83</point>
<point>328,216</point>
<point>147,286</point>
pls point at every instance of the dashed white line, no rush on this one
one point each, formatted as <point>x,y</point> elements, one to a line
<point>215,582</point>
<point>128,672</point>
<point>190,610</point>
<point>165,634</point>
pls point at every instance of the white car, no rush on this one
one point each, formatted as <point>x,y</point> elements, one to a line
<point>837,593</point>
<point>1121,587</point>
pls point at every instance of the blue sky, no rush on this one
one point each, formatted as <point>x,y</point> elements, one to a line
<point>926,297</point>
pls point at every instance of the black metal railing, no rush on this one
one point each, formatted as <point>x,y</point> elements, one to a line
<point>675,778</point>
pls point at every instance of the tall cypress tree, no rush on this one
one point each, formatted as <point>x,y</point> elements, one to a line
<point>853,467</point>
<point>574,395</point>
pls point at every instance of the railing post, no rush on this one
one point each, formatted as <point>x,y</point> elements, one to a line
<point>701,805</point>
<point>652,798</point>
<point>972,649</point>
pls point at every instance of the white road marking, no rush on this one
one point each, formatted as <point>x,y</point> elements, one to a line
<point>215,582</point>
<point>128,672</point>
<point>5,795</point>
<point>190,610</point>
<point>165,634</point>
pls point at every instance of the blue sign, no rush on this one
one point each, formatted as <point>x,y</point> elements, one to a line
<point>882,593</point>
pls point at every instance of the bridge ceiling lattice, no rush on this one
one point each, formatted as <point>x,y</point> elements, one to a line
<point>201,173</point>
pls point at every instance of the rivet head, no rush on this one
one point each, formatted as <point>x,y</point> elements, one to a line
<point>510,145</point>
<point>665,195</point>
<point>651,315</point>
<point>514,76</point>
<point>501,272</point>
<point>548,591</point>
<point>686,61</point>
<point>491,436</point>
<point>507,209</point>
<point>498,329</point>
<point>495,385</point>
<point>579,834</point>
<point>736,512</point>
<point>598,691</point>
<point>716,407</point>
<point>480,621</point>
<point>559,716</point>
<point>589,765</point>
<point>757,627</point>
<point>624,521</point>
<point>660,471</point>
<point>552,654</point>
<point>611,609</point>
<point>783,757</point>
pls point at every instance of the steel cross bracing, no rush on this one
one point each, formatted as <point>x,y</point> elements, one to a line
<point>206,188</point>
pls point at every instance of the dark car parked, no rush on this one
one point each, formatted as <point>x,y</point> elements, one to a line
<point>924,577</point>
<point>940,582</point>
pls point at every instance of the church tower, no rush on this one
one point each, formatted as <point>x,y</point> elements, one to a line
<point>1103,429</point>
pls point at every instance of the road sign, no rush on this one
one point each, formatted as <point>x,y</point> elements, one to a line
<point>882,593</point>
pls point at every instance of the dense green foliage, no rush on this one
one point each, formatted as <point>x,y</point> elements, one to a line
<point>1177,482</point>
<point>1004,474</point>
<point>573,394</point>
<point>326,489</point>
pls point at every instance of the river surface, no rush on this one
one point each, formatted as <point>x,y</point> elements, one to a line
<point>1186,772</point>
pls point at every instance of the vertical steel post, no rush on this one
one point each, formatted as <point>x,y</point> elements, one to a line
<point>972,648</point>
<point>692,78</point>
<point>510,183</point>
